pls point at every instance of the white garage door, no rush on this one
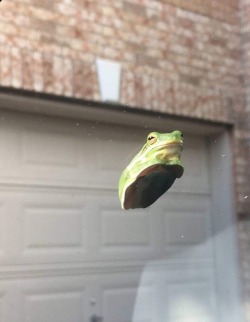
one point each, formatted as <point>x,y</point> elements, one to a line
<point>67,250</point>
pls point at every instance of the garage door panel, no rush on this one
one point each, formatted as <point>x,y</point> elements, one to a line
<point>122,231</point>
<point>61,153</point>
<point>41,227</point>
<point>125,231</point>
<point>47,226</point>
<point>2,211</point>
<point>190,302</point>
<point>1,307</point>
<point>192,299</point>
<point>9,230</point>
<point>184,229</point>
<point>77,226</point>
<point>61,306</point>
<point>125,235</point>
<point>59,228</point>
<point>118,304</point>
<point>48,142</point>
<point>119,293</point>
<point>180,294</point>
<point>47,299</point>
<point>187,227</point>
<point>38,155</point>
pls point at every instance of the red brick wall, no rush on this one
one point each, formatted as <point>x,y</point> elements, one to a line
<point>244,156</point>
<point>173,58</point>
<point>183,57</point>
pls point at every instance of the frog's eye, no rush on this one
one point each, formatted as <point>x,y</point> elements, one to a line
<point>182,135</point>
<point>151,139</point>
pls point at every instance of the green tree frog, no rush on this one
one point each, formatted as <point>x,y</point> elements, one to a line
<point>152,171</point>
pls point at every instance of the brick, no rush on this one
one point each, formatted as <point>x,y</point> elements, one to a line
<point>58,75</point>
<point>136,9</point>
<point>68,77</point>
<point>43,25</point>
<point>5,61</point>
<point>217,41</point>
<point>44,3</point>
<point>16,67</point>
<point>48,73</point>
<point>146,60</point>
<point>38,13</point>
<point>27,69</point>
<point>194,80</point>
<point>39,71</point>
<point>84,79</point>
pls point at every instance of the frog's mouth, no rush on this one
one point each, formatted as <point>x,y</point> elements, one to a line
<point>175,143</point>
<point>169,148</point>
<point>171,144</point>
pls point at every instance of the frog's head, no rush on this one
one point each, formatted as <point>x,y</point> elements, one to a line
<point>152,171</point>
<point>161,148</point>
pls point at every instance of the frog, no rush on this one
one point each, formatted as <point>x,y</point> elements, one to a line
<point>152,171</point>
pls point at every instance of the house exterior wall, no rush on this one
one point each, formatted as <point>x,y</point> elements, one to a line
<point>244,144</point>
<point>188,58</point>
<point>184,60</point>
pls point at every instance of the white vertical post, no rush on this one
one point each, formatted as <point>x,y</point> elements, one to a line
<point>224,225</point>
<point>109,79</point>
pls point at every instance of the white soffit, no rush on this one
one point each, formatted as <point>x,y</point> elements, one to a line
<point>117,115</point>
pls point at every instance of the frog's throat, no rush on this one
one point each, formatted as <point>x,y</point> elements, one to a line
<point>140,157</point>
